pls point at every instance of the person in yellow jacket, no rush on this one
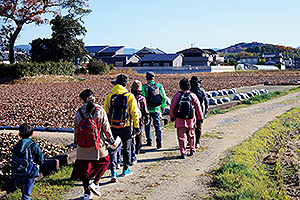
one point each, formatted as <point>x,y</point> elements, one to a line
<point>124,129</point>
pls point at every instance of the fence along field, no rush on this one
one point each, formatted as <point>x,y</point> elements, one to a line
<point>55,104</point>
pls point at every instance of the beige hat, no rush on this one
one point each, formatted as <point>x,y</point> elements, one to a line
<point>136,85</point>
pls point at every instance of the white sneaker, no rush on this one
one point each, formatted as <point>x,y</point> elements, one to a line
<point>95,188</point>
<point>88,196</point>
<point>134,162</point>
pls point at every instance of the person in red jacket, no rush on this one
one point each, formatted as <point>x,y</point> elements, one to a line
<point>186,127</point>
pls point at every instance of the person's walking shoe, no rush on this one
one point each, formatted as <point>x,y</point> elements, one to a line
<point>88,196</point>
<point>114,177</point>
<point>141,151</point>
<point>95,188</point>
<point>192,153</point>
<point>127,172</point>
<point>149,144</point>
<point>197,145</point>
<point>182,156</point>
<point>134,162</point>
<point>158,144</point>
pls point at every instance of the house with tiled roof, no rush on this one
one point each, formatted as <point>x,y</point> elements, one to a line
<point>161,60</point>
<point>104,50</point>
<point>273,58</point>
<point>149,50</point>
<point>248,60</point>
<point>122,60</point>
<point>195,56</point>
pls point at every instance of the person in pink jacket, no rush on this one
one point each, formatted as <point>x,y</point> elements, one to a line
<point>186,126</point>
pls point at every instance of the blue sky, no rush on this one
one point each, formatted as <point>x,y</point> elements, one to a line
<point>173,25</point>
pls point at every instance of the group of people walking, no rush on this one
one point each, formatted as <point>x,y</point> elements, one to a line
<point>101,131</point>
<point>121,118</point>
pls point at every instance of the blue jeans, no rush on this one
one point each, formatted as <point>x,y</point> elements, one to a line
<point>133,156</point>
<point>156,122</point>
<point>26,185</point>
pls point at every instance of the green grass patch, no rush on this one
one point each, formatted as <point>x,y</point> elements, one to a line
<point>213,134</point>
<point>217,111</point>
<point>243,175</point>
<point>267,96</point>
<point>53,187</point>
<point>254,100</point>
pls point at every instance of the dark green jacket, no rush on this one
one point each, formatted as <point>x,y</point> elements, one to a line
<point>163,94</point>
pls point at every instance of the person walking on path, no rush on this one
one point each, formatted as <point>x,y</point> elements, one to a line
<point>144,117</point>
<point>200,93</point>
<point>156,103</point>
<point>185,126</point>
<point>26,146</point>
<point>91,162</point>
<point>122,110</point>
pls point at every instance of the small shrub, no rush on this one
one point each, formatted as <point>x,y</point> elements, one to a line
<point>99,67</point>
<point>81,70</point>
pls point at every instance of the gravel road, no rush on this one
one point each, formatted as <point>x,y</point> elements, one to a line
<point>160,175</point>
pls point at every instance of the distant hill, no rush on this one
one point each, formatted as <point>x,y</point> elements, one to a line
<point>237,48</point>
<point>216,49</point>
<point>25,48</point>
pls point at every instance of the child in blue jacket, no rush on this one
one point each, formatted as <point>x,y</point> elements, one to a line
<point>25,175</point>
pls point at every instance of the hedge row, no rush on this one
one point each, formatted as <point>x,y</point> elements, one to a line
<point>18,70</point>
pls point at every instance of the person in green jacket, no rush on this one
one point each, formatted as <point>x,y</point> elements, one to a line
<point>155,111</point>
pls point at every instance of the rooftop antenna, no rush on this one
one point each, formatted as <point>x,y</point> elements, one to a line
<point>192,44</point>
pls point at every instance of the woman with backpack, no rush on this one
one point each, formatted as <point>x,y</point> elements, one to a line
<point>92,157</point>
<point>144,115</point>
<point>185,110</point>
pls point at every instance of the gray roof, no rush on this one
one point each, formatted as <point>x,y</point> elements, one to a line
<point>191,50</point>
<point>150,50</point>
<point>95,49</point>
<point>112,49</point>
<point>125,55</point>
<point>159,57</point>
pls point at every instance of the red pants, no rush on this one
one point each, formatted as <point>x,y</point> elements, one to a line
<point>182,133</point>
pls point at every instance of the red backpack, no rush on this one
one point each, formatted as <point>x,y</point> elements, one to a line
<point>88,134</point>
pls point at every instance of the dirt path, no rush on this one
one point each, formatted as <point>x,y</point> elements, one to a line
<point>160,175</point>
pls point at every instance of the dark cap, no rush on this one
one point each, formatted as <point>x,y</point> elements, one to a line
<point>195,79</point>
<point>150,75</point>
<point>122,79</point>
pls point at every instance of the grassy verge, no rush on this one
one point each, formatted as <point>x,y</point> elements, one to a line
<point>52,187</point>
<point>244,175</point>
<point>254,100</point>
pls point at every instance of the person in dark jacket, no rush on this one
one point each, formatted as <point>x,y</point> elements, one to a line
<point>200,93</point>
<point>26,182</point>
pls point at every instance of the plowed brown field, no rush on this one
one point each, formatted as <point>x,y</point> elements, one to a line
<point>54,104</point>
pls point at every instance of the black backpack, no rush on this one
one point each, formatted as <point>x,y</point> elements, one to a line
<point>154,97</point>
<point>23,165</point>
<point>118,115</point>
<point>184,108</point>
